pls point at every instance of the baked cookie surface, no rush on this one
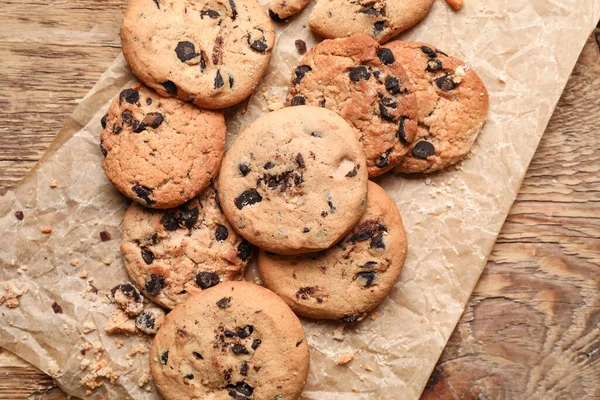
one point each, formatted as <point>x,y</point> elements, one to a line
<point>294,180</point>
<point>452,104</point>
<point>279,10</point>
<point>380,19</point>
<point>351,278</point>
<point>210,52</point>
<point>235,340</point>
<point>362,82</point>
<point>173,254</point>
<point>160,152</point>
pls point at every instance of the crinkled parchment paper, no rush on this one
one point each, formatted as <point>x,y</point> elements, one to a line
<point>523,50</point>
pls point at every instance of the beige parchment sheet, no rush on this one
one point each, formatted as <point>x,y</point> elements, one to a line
<point>523,50</point>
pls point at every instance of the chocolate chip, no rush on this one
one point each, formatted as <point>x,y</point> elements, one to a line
<point>157,4</point>
<point>103,121</point>
<point>244,169</point>
<point>210,14</point>
<point>434,65</point>
<point>117,129</point>
<point>56,308</point>
<point>445,83</point>
<point>244,388</point>
<point>244,369</point>
<point>143,193</point>
<point>146,322</point>
<point>154,238</point>
<point>358,73</point>
<point>368,264</point>
<point>154,119</point>
<point>331,206</point>
<point>231,81</point>
<point>377,242</point>
<point>300,46</point>
<point>19,215</point>
<point>324,214</point>
<point>268,165</point>
<point>245,331</point>
<point>247,198</point>
<point>103,150</point>
<point>170,87</point>
<point>238,348</point>
<point>352,173</point>
<point>275,17</point>
<point>245,250</point>
<point>126,116</point>
<point>218,80</point>
<point>256,343</point>
<point>306,230</point>
<point>300,160</point>
<point>370,10</point>
<point>138,126</point>
<point>351,319</point>
<point>206,279</point>
<point>316,134</point>
<point>385,114</point>
<point>323,103</point>
<point>164,357</point>
<point>379,26</point>
<point>392,84</point>
<point>259,45</point>
<point>197,355</point>
<point>366,230</point>
<point>148,256</point>
<point>148,101</point>
<point>217,201</point>
<point>429,51</point>
<point>224,302</point>
<point>300,72</point>
<point>368,276</point>
<point>386,56</point>
<point>131,96</point>
<point>221,233</point>
<point>170,221</point>
<point>383,159</point>
<point>298,101</point>
<point>186,51</point>
<point>202,60</point>
<point>188,218</point>
<point>154,284</point>
<point>387,101</point>
<point>229,334</point>
<point>233,10</point>
<point>104,236</point>
<point>401,133</point>
<point>422,150</point>
<point>190,376</point>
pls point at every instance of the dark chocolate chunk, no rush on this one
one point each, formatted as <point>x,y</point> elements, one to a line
<point>392,84</point>
<point>429,51</point>
<point>56,308</point>
<point>298,100</point>
<point>306,230</point>
<point>170,87</point>
<point>146,319</point>
<point>351,319</point>
<point>331,206</point>
<point>221,233</point>
<point>138,126</point>
<point>231,81</point>
<point>244,169</point>
<point>386,56</point>
<point>186,51</point>
<point>126,116</point>
<point>385,114</point>
<point>324,214</point>
<point>219,80</point>
<point>275,17</point>
<point>238,348</point>
<point>377,242</point>
<point>401,133</point>
<point>379,26</point>
<point>206,279</point>
<point>367,230</point>
<point>388,101</point>
<point>154,284</point>
<point>103,150</point>
<point>370,10</point>
<point>244,369</point>
<point>256,343</point>
<point>202,60</point>
<point>154,119</point>
<point>259,45</point>
<point>154,238</point>
<point>268,165</point>
<point>368,277</point>
<point>128,290</point>
<point>323,103</point>
<point>368,264</point>
<point>352,173</point>
<point>224,302</point>
<point>233,10</point>
<point>164,357</point>
<point>117,129</point>
<point>434,65</point>
<point>148,101</point>
<point>244,388</point>
<point>189,376</point>
<point>358,73</point>
<point>247,198</point>
<point>383,159</point>
<point>422,150</point>
<point>103,121</point>
<point>210,14</point>
<point>245,250</point>
<point>148,256</point>
<point>229,334</point>
<point>245,331</point>
<point>170,221</point>
<point>19,215</point>
<point>300,46</point>
<point>445,83</point>
<point>131,96</point>
<point>188,218</point>
<point>300,160</point>
<point>300,72</point>
<point>299,343</point>
<point>197,355</point>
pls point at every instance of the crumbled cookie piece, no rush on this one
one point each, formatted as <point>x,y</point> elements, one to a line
<point>456,4</point>
<point>150,320</point>
<point>74,262</point>
<point>119,322</point>
<point>88,327</point>
<point>46,230</point>
<point>128,298</point>
<point>145,378</point>
<point>368,367</point>
<point>53,183</point>
<point>83,274</point>
<point>11,293</point>
<point>345,359</point>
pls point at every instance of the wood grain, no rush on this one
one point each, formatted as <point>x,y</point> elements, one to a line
<point>531,329</point>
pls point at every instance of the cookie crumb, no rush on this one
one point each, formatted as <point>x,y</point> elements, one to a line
<point>368,367</point>
<point>345,359</point>
<point>119,322</point>
<point>107,261</point>
<point>88,327</point>
<point>459,74</point>
<point>46,230</point>
<point>119,343</point>
<point>354,389</point>
<point>502,77</point>
<point>84,364</point>
<point>105,236</point>
<point>455,4</point>
<point>145,378</point>
<point>74,262</point>
<point>338,333</point>
<point>53,369</point>
<point>374,316</point>
<point>274,106</point>
<point>53,183</point>
<point>11,293</point>
<point>83,274</point>
<point>19,215</point>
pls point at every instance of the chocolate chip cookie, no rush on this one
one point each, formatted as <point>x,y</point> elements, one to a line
<point>380,19</point>
<point>452,104</point>
<point>160,152</point>
<point>294,180</point>
<point>350,279</point>
<point>210,52</point>
<point>172,254</point>
<point>363,82</point>
<point>280,10</point>
<point>234,341</point>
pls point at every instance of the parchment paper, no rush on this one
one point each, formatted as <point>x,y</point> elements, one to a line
<point>523,50</point>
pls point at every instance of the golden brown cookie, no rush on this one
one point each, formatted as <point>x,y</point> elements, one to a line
<point>280,10</point>
<point>236,340</point>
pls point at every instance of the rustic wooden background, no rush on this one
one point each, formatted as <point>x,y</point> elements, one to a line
<point>532,326</point>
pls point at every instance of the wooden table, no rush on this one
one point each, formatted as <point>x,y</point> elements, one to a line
<point>532,326</point>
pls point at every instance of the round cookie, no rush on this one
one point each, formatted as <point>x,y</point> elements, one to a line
<point>294,180</point>
<point>210,52</point>
<point>236,340</point>
<point>280,10</point>
<point>160,152</point>
<point>362,82</point>
<point>173,254</point>
<point>350,279</point>
<point>380,19</point>
<point>452,105</point>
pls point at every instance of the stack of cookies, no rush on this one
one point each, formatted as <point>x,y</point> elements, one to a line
<point>294,184</point>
